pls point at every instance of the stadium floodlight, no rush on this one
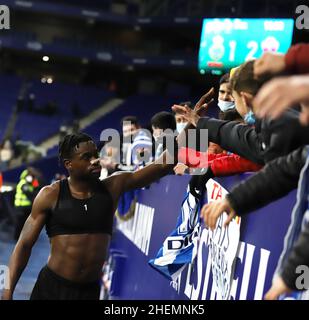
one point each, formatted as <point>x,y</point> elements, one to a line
<point>50,80</point>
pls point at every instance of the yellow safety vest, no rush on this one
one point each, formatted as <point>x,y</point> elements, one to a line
<point>21,200</point>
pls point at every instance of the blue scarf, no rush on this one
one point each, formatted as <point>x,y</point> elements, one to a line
<point>180,247</point>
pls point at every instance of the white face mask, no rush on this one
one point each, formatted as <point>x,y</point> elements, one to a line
<point>225,105</point>
<point>180,126</point>
<point>29,179</point>
<point>157,133</point>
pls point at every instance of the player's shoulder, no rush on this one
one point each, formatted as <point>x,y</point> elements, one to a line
<point>47,197</point>
<point>49,192</point>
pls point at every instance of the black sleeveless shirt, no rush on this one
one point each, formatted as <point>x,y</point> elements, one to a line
<point>78,216</point>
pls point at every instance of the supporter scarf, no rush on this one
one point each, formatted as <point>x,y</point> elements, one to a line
<point>180,247</point>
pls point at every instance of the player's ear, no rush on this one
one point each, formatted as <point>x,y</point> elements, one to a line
<point>67,164</point>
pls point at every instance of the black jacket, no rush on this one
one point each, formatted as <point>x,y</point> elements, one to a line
<point>269,139</point>
<point>280,176</point>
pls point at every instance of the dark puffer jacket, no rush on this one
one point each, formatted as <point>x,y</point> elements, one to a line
<point>268,140</point>
<point>280,176</point>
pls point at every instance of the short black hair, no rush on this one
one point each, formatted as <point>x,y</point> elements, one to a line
<point>69,142</point>
<point>164,120</point>
<point>131,119</point>
<point>224,79</point>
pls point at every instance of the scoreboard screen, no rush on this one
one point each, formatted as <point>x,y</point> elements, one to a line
<point>227,43</point>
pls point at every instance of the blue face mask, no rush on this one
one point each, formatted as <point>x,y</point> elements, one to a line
<point>225,105</point>
<point>249,118</point>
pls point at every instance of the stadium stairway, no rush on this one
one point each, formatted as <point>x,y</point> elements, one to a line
<point>106,108</point>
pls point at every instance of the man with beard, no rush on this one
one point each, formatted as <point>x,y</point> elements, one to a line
<point>78,213</point>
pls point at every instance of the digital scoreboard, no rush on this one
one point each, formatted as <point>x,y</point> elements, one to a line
<point>227,43</point>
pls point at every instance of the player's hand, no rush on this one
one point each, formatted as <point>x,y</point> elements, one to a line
<point>180,169</point>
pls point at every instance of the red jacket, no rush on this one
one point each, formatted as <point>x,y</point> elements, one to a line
<point>221,164</point>
<point>296,59</point>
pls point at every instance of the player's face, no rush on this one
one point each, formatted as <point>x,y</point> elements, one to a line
<point>85,162</point>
